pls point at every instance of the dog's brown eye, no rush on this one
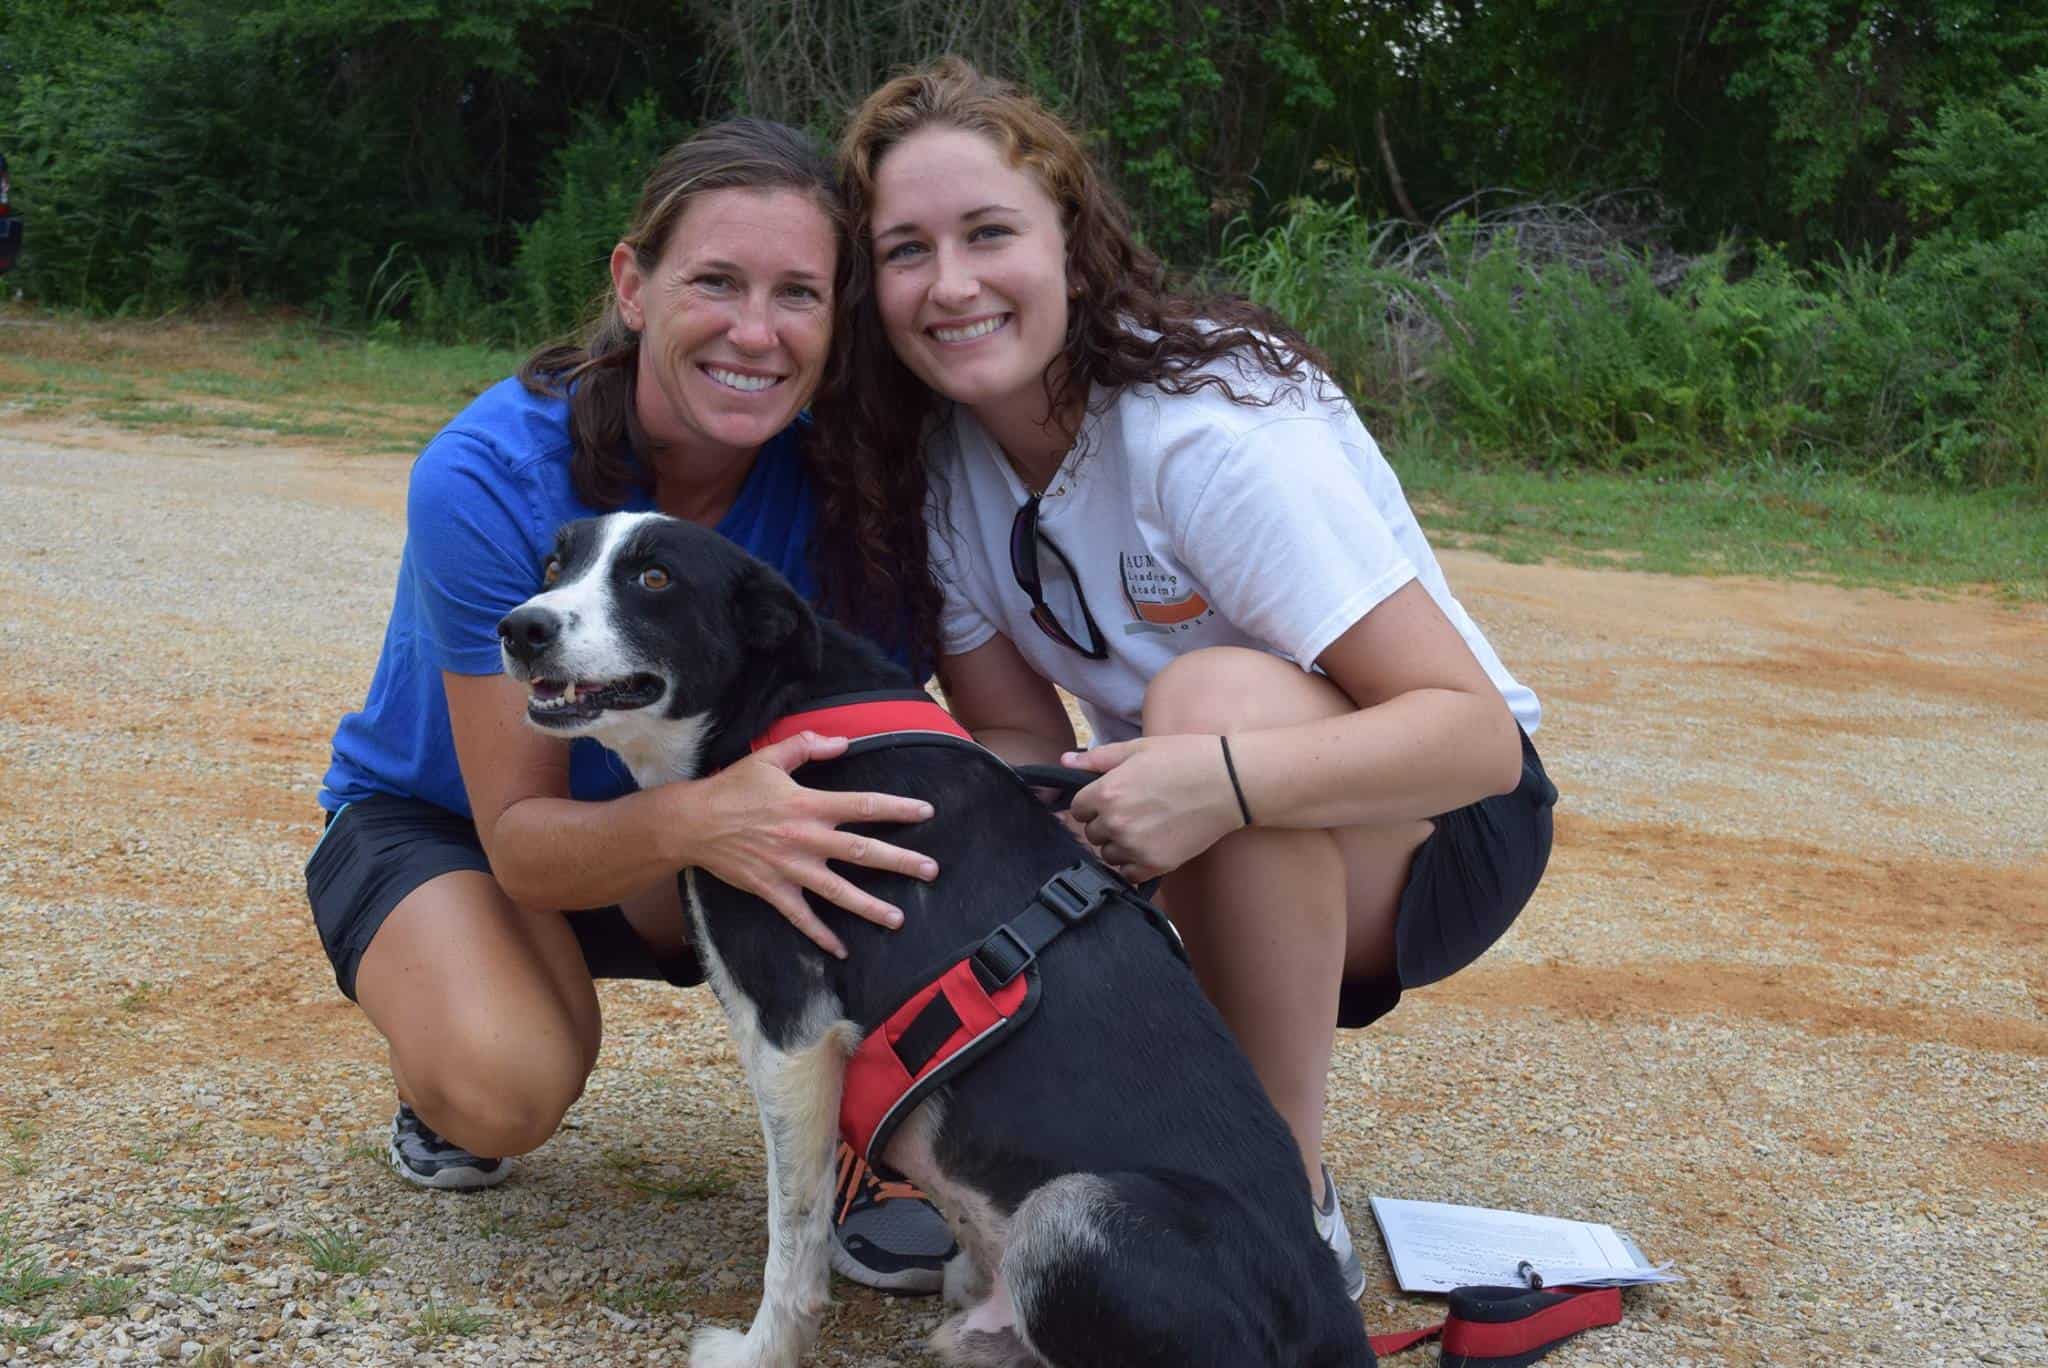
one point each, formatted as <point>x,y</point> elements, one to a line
<point>550,572</point>
<point>654,577</point>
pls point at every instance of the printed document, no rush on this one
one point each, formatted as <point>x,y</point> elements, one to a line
<point>1435,1247</point>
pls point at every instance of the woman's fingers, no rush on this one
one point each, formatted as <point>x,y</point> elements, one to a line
<point>783,835</point>
<point>842,808</point>
<point>1132,867</point>
<point>1080,832</point>
<point>840,891</point>
<point>869,853</point>
<point>789,901</point>
<point>792,752</point>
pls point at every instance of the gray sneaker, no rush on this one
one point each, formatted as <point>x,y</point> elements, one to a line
<point>1330,1225</point>
<point>886,1235</point>
<point>424,1159</point>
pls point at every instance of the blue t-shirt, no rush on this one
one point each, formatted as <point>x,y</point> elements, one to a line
<point>486,497</point>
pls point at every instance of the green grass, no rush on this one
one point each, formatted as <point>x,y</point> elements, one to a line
<point>491,1224</point>
<point>1755,520</point>
<point>652,1297</point>
<point>365,1151</point>
<point>620,1160</point>
<point>105,1296</point>
<point>154,1150</point>
<point>282,362</point>
<point>1707,512</point>
<point>218,1214</point>
<point>333,1252</point>
<point>376,394</point>
<point>192,1280</point>
<point>24,1138</point>
<point>24,1280</point>
<point>692,1189</point>
<point>442,1322</point>
<point>25,1335</point>
<point>149,414</point>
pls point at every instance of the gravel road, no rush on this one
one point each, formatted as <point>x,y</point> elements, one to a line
<point>1780,1010</point>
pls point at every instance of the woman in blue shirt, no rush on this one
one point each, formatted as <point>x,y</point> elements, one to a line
<point>457,835</point>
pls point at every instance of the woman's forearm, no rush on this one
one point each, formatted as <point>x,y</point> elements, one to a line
<point>559,854</point>
<point>1419,755</point>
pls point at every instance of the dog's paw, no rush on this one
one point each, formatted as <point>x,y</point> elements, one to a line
<point>713,1347</point>
<point>957,1346</point>
<point>964,1283</point>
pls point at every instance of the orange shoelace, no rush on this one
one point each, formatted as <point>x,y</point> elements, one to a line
<point>854,1174</point>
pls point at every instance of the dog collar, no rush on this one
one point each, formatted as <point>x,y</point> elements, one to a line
<point>875,718</point>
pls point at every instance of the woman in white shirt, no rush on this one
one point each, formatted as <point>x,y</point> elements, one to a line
<point>1165,507</point>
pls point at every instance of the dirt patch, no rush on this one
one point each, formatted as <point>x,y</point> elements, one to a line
<point>1779,1009</point>
<point>1845,903</point>
<point>1896,671</point>
<point>1787,997</point>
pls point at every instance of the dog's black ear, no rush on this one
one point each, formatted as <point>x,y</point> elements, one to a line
<point>774,620</point>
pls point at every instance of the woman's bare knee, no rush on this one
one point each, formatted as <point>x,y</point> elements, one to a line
<point>490,1015</point>
<point>504,1097</point>
<point>1230,688</point>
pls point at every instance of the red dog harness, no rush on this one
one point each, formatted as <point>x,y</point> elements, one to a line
<point>975,1001</point>
<point>871,719</point>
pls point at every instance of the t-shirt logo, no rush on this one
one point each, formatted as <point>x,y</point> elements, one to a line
<point>1161,601</point>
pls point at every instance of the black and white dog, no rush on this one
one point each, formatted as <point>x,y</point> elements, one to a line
<point>1122,1191</point>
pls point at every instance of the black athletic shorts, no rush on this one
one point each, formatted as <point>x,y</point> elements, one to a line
<point>377,850</point>
<point>1471,878</point>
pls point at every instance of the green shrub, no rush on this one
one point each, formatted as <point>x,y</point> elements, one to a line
<point>1930,370</point>
<point>1323,268</point>
<point>592,188</point>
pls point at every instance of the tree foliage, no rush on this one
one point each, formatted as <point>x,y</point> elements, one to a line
<point>461,167</point>
<point>282,152</point>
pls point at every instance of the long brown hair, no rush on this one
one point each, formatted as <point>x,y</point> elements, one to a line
<point>598,368</point>
<point>1126,325</point>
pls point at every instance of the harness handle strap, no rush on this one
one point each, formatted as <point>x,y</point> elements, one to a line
<point>1508,1327</point>
<point>1395,1341</point>
<point>1063,779</point>
<point>1067,781</point>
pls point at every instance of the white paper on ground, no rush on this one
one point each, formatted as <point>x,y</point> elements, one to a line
<point>1435,1247</point>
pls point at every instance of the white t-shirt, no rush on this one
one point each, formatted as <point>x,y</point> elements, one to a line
<point>1191,521</point>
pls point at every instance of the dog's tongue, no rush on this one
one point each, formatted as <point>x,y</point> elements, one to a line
<point>548,688</point>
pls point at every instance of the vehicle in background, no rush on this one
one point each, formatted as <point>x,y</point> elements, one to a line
<point>10,226</point>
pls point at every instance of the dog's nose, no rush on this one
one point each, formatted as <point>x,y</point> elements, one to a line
<point>528,631</point>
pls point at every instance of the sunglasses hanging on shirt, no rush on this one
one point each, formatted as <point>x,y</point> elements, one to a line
<point>1025,539</point>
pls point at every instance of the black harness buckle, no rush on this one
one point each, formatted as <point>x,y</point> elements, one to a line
<point>1003,955</point>
<point>1073,897</point>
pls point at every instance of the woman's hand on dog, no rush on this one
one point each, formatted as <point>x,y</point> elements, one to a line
<point>759,830</point>
<point>1162,801</point>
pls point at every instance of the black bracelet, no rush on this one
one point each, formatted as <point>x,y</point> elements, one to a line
<point>1243,808</point>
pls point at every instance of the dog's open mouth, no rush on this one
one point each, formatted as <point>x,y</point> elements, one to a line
<point>561,702</point>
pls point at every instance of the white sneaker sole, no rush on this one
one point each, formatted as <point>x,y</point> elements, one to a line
<point>1338,1238</point>
<point>919,1280</point>
<point>451,1180</point>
